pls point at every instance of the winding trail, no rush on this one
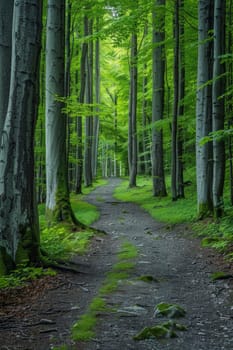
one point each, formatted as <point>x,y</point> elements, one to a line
<point>181,272</point>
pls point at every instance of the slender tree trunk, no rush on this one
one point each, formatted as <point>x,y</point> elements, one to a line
<point>145,132</point>
<point>57,200</point>
<point>97,101</point>
<point>158,58</point>
<point>88,175</point>
<point>6,17</point>
<point>229,101</point>
<point>176,101</point>
<point>19,235</point>
<point>81,99</point>
<point>180,161</point>
<point>132,143</point>
<point>204,166</point>
<point>218,105</point>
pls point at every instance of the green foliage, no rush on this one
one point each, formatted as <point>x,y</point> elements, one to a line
<point>217,234</point>
<point>60,241</point>
<point>24,274</point>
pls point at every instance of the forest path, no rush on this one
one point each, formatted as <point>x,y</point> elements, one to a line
<point>181,272</point>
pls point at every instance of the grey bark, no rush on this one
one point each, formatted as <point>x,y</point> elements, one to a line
<point>158,58</point>
<point>218,105</point>
<point>132,134</point>
<point>6,17</point>
<point>88,175</point>
<point>180,161</point>
<point>96,121</point>
<point>57,200</point>
<point>174,152</point>
<point>81,99</point>
<point>146,137</point>
<point>204,109</point>
<point>19,235</point>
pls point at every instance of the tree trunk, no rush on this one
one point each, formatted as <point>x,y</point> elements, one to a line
<point>6,17</point>
<point>204,110</point>
<point>132,143</point>
<point>97,101</point>
<point>180,161</point>
<point>218,105</point>
<point>81,99</point>
<point>229,102</point>
<point>176,101</point>
<point>58,201</point>
<point>19,235</point>
<point>158,58</point>
<point>88,175</point>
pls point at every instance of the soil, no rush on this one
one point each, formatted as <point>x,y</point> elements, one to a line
<point>40,316</point>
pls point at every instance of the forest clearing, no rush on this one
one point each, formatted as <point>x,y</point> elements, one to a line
<point>116,174</point>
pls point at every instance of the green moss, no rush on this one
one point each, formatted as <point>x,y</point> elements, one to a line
<point>84,329</point>
<point>147,279</point>
<point>164,330</point>
<point>123,266</point>
<point>128,251</point>
<point>169,310</point>
<point>220,276</point>
<point>204,210</point>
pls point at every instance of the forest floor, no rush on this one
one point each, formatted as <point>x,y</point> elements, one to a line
<point>40,316</point>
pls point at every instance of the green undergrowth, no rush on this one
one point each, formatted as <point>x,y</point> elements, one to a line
<point>84,328</point>
<point>63,240</point>
<point>162,209</point>
<point>23,275</point>
<point>217,234</point>
<point>59,241</point>
<point>214,234</point>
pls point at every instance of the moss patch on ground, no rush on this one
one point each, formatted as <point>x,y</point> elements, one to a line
<point>84,328</point>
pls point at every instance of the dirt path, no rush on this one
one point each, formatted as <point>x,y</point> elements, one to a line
<point>181,271</point>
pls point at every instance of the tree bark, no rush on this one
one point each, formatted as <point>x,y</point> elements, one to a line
<point>180,161</point>
<point>88,175</point>
<point>58,200</point>
<point>158,58</point>
<point>96,121</point>
<point>204,165</point>
<point>81,99</point>
<point>19,235</point>
<point>6,17</point>
<point>176,101</point>
<point>218,106</point>
<point>132,136</point>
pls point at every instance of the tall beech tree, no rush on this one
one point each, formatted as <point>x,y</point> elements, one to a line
<point>218,105</point>
<point>19,234</point>
<point>57,200</point>
<point>177,187</point>
<point>158,59</point>
<point>6,18</point>
<point>132,129</point>
<point>204,154</point>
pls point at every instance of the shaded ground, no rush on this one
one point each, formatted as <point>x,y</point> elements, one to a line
<point>41,316</point>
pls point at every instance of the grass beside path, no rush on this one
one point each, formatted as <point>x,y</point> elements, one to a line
<point>214,234</point>
<point>161,209</point>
